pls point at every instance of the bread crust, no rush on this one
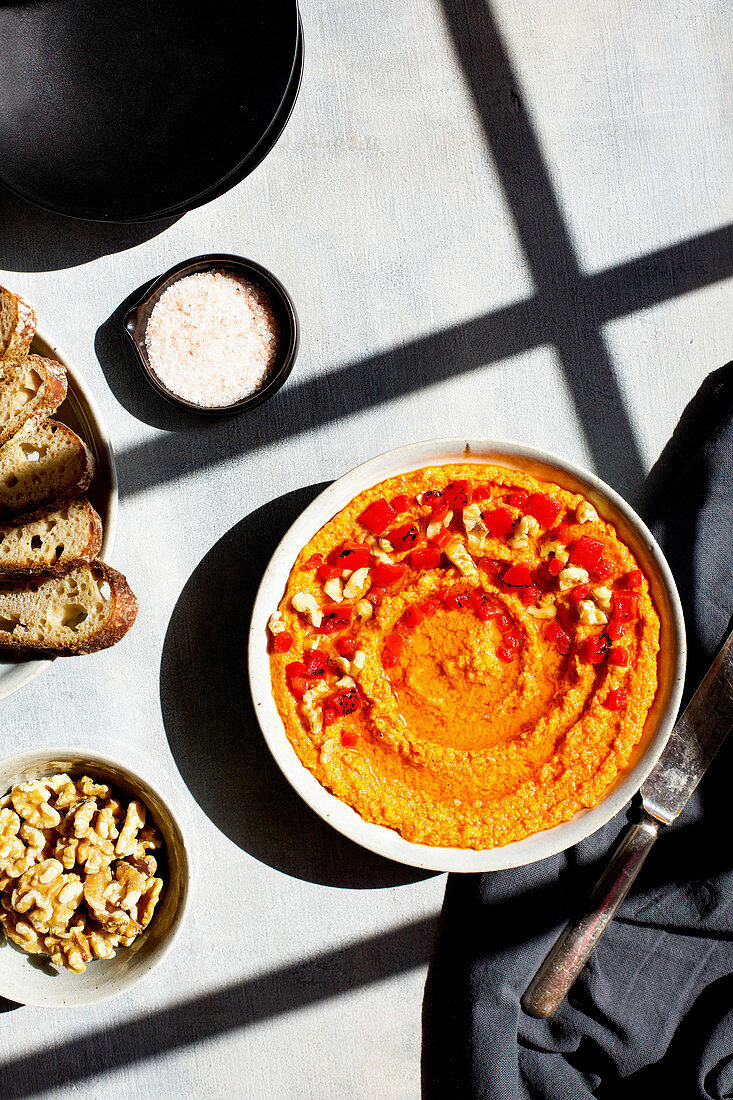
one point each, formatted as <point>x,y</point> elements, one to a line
<point>56,569</point>
<point>123,615</point>
<point>82,484</point>
<point>21,335</point>
<point>55,386</point>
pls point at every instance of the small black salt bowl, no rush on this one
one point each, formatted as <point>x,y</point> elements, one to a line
<point>136,320</point>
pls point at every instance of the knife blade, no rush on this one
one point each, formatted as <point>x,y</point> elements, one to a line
<point>694,741</point>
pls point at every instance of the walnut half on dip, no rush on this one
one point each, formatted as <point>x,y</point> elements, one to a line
<point>77,873</point>
<point>466,655</point>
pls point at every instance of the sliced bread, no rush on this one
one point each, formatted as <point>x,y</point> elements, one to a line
<point>90,608</point>
<point>53,540</point>
<point>48,464</point>
<point>31,390</point>
<point>17,325</point>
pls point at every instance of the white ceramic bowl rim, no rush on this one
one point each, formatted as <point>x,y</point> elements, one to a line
<point>21,978</point>
<point>387,842</point>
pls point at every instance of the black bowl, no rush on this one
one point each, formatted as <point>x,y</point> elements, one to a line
<point>136,320</point>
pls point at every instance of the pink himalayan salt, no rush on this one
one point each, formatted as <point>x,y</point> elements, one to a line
<point>211,338</point>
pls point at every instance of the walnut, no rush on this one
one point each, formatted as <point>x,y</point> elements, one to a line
<point>143,911</point>
<point>21,932</point>
<point>48,896</point>
<point>65,790</point>
<point>107,909</point>
<point>30,801</point>
<point>134,822</point>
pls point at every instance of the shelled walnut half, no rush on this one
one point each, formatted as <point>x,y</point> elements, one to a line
<point>77,879</point>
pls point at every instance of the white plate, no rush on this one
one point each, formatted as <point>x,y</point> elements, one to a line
<point>80,412</point>
<point>546,467</point>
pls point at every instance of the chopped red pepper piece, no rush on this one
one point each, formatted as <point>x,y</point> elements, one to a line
<point>619,656</point>
<point>586,553</point>
<point>555,566</point>
<point>530,595</point>
<point>625,605</point>
<point>336,617</point>
<point>454,601</point>
<point>544,509</point>
<point>634,578</point>
<point>580,592</point>
<point>440,511</point>
<point>344,702</point>
<point>299,685</point>
<point>349,739</point>
<point>400,503</point>
<point>378,516</point>
<point>389,658</point>
<point>374,595</point>
<point>432,497</point>
<point>594,650</point>
<point>564,533</point>
<point>519,498</point>
<point>617,699</point>
<point>616,628</point>
<point>504,654</point>
<point>295,668</point>
<point>455,495</point>
<point>517,576</point>
<point>394,642</point>
<point>499,522</point>
<point>483,606</point>
<point>412,617</point>
<point>512,638</point>
<point>442,538</point>
<point>328,572</point>
<point>430,605</point>
<point>314,561</point>
<point>346,646</point>
<point>555,634</point>
<point>491,567</point>
<point>353,556</point>
<point>604,569</point>
<point>282,642</point>
<point>427,557</point>
<point>403,538</point>
<point>329,716</point>
<point>481,492</point>
<point>385,573</point>
<point>316,664</point>
<point>503,622</point>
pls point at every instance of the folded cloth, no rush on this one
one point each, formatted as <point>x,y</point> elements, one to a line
<point>653,1008</point>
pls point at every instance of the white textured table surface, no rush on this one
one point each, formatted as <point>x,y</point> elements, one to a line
<point>507,223</point>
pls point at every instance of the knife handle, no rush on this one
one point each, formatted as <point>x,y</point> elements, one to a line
<point>551,983</point>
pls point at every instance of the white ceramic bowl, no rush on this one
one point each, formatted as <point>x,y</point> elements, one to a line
<point>80,412</point>
<point>29,979</point>
<point>545,467</point>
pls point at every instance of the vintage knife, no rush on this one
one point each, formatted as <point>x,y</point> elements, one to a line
<point>693,743</point>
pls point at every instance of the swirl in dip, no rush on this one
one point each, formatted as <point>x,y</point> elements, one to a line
<point>466,655</point>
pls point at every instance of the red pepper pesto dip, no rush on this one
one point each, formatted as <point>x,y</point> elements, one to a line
<point>466,655</point>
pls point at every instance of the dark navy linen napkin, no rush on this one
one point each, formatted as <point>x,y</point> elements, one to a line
<point>653,1009</point>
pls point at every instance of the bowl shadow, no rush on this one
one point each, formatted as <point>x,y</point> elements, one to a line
<point>211,725</point>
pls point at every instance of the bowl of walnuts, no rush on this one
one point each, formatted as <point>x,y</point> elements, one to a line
<point>94,878</point>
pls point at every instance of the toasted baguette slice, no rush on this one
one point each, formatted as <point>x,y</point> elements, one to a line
<point>90,608</point>
<point>30,391</point>
<point>17,325</point>
<point>47,465</point>
<point>53,540</point>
